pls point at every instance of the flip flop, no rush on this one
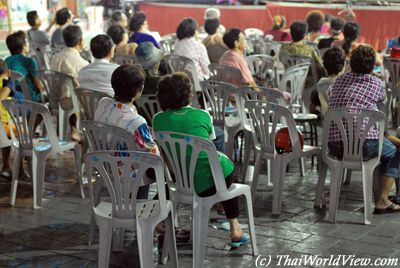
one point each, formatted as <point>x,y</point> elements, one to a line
<point>387,210</point>
<point>244,241</point>
<point>395,199</point>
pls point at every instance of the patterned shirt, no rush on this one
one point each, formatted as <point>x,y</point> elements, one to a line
<point>196,51</point>
<point>110,111</point>
<point>353,90</point>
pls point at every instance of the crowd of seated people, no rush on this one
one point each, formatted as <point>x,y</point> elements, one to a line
<point>350,87</point>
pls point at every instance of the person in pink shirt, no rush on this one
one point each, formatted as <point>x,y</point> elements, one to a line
<point>234,39</point>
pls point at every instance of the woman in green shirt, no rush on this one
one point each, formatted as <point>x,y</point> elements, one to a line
<point>174,95</point>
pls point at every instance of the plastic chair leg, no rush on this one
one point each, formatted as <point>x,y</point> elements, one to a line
<point>200,226</point>
<point>278,171</point>
<point>250,218</point>
<point>336,183</point>
<point>256,175</point>
<point>145,233</point>
<point>105,243</point>
<point>320,192</point>
<point>38,167</point>
<point>78,166</point>
<point>347,176</point>
<point>270,179</point>
<point>169,248</point>
<point>248,145</point>
<point>15,175</point>
<point>367,173</point>
<point>301,164</point>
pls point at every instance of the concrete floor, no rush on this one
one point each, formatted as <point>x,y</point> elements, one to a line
<point>56,235</point>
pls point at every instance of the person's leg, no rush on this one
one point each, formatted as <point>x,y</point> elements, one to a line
<point>5,153</point>
<point>231,208</point>
<point>219,139</point>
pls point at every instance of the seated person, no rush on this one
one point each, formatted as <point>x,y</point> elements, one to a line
<point>359,89</point>
<point>127,82</point>
<point>211,14</point>
<point>23,64</point>
<point>298,31</point>
<point>70,62</point>
<point>278,29</point>
<point>140,29</point>
<point>36,36</point>
<point>213,42</point>
<point>315,19</point>
<point>174,95</point>
<point>149,57</point>
<point>120,38</point>
<point>97,75</point>
<point>236,42</point>
<point>336,32</point>
<point>119,18</point>
<point>63,19</point>
<point>188,46</point>
<point>334,60</point>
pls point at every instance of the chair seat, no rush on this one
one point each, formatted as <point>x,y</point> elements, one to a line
<point>305,117</point>
<point>232,121</point>
<point>103,209</point>
<point>150,209</point>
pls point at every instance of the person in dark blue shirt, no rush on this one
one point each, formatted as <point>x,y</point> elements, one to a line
<point>139,27</point>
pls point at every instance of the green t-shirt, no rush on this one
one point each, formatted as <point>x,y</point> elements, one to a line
<point>198,123</point>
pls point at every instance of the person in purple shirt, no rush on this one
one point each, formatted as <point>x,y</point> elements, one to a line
<point>139,27</point>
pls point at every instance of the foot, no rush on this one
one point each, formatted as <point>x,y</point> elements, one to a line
<point>392,208</point>
<point>382,204</point>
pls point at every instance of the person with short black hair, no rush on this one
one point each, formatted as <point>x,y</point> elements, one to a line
<point>351,32</point>
<point>174,94</point>
<point>119,18</point>
<point>315,19</point>
<point>127,82</point>
<point>139,27</point>
<point>97,75</point>
<point>278,31</point>
<point>336,32</point>
<point>359,89</point>
<point>120,37</point>
<point>189,47</point>
<point>37,38</point>
<point>235,40</point>
<point>334,61</point>
<point>63,19</point>
<point>20,62</point>
<point>69,61</point>
<point>213,42</point>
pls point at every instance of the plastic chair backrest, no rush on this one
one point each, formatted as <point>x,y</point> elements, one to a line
<point>148,106</point>
<point>122,173</point>
<point>261,67</point>
<point>266,117</point>
<point>56,85</point>
<point>124,59</point>
<point>291,59</point>
<point>181,151</point>
<point>272,48</point>
<point>216,99</point>
<point>393,66</point>
<point>177,63</point>
<point>104,137</point>
<point>258,45</point>
<point>353,138</point>
<point>168,45</point>
<point>24,115</point>
<point>16,76</point>
<point>88,100</point>
<point>323,89</point>
<point>226,73</point>
<point>295,76</point>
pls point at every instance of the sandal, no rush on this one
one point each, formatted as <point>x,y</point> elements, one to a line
<point>244,241</point>
<point>6,174</point>
<point>388,209</point>
<point>395,199</point>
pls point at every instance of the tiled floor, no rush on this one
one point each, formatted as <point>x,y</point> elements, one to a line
<point>56,235</point>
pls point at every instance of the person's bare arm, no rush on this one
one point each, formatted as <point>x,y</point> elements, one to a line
<point>393,139</point>
<point>4,93</point>
<point>37,83</point>
<point>50,25</point>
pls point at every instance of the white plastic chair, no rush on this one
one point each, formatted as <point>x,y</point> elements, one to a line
<point>148,106</point>
<point>124,59</point>
<point>24,115</point>
<point>265,118</point>
<point>123,175</point>
<point>168,45</point>
<point>175,148</point>
<point>88,101</point>
<point>217,96</point>
<point>58,85</point>
<point>262,68</point>
<point>353,139</point>
<point>16,76</point>
<point>323,89</point>
<point>245,94</point>
<point>253,32</point>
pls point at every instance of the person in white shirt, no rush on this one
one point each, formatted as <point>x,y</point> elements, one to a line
<point>97,75</point>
